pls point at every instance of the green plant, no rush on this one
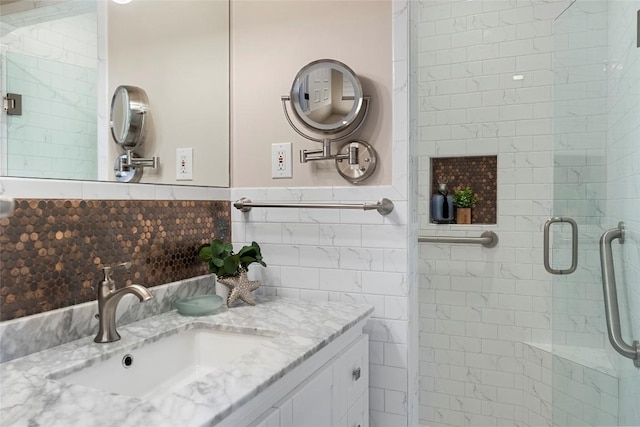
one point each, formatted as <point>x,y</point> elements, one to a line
<point>464,198</point>
<point>224,263</point>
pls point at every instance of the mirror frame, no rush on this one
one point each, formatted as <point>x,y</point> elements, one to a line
<point>135,116</point>
<point>350,118</point>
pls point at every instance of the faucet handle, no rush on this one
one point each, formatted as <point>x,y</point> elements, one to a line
<point>108,271</point>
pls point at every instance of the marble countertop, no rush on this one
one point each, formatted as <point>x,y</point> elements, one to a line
<point>28,395</point>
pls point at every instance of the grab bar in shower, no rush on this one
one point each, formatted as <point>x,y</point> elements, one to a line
<point>383,206</point>
<point>611,296</point>
<point>488,239</point>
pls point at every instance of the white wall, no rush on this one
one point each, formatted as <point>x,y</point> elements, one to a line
<point>177,52</point>
<point>271,42</point>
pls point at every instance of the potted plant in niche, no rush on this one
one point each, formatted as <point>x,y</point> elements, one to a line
<point>464,200</point>
<point>231,269</point>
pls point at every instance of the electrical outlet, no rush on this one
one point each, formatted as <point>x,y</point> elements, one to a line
<point>184,164</point>
<point>281,160</point>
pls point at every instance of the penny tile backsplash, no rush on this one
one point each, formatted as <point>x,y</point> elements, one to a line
<point>52,250</point>
<point>479,173</point>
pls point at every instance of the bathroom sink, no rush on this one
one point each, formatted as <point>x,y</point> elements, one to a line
<point>167,364</point>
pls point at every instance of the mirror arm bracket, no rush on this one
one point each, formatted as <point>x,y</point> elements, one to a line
<point>129,167</point>
<point>284,100</point>
<point>325,152</point>
<point>130,160</point>
<point>322,154</point>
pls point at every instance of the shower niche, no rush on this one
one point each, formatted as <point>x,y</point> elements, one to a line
<point>451,174</point>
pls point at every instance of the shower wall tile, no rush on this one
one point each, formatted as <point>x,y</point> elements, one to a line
<point>485,89</point>
<point>568,388</point>
<point>589,104</point>
<point>623,189</point>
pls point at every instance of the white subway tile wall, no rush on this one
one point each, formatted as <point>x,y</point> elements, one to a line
<point>580,171</point>
<point>488,84</point>
<point>485,88</point>
<point>56,74</point>
<point>568,387</point>
<point>329,255</point>
<point>623,187</point>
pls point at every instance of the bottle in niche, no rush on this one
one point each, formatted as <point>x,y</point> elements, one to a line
<point>442,205</point>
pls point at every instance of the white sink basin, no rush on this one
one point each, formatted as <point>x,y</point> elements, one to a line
<point>167,364</point>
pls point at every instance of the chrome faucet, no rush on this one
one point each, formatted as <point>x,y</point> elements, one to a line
<point>108,299</point>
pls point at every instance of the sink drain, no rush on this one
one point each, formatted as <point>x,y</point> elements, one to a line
<point>127,361</point>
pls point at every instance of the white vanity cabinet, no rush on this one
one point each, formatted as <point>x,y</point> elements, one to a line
<point>334,395</point>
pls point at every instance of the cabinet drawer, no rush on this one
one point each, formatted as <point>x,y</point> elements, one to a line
<point>271,419</point>
<point>311,404</point>
<point>358,415</point>
<point>351,375</point>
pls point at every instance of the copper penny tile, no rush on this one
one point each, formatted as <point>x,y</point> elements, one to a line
<point>478,172</point>
<point>52,251</point>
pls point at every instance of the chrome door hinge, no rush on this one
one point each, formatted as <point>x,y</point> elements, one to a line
<point>12,104</point>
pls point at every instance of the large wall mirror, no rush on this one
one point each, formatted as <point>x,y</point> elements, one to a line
<point>66,58</point>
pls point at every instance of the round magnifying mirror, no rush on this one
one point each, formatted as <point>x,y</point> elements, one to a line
<point>129,106</point>
<point>326,96</point>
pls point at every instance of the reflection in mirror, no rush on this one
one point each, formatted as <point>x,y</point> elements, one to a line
<point>129,108</point>
<point>56,57</point>
<point>120,118</point>
<point>327,96</point>
<point>57,132</point>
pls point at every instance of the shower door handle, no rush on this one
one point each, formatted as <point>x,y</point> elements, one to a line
<point>609,288</point>
<point>574,245</point>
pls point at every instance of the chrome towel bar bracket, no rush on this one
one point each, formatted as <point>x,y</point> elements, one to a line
<point>383,206</point>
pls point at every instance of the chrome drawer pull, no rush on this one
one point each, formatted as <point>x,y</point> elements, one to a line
<point>356,374</point>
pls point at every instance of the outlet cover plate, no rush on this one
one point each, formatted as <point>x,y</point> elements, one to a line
<point>184,164</point>
<point>281,165</point>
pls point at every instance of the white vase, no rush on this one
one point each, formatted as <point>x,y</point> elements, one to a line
<point>223,292</point>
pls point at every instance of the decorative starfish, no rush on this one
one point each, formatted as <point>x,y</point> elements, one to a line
<point>241,287</point>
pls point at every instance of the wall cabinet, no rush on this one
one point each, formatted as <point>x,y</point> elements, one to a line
<point>335,394</point>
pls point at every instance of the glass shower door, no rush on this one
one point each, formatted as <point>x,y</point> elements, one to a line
<point>596,183</point>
